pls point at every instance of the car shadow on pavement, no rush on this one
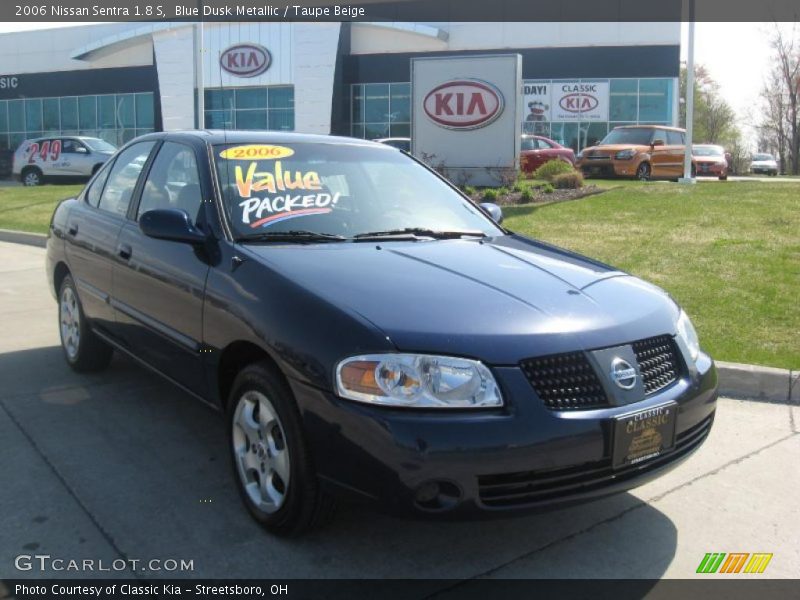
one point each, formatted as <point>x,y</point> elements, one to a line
<point>149,466</point>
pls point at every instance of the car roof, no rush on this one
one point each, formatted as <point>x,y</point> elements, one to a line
<point>217,136</point>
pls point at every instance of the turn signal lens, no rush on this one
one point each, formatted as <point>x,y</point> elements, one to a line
<point>687,333</point>
<point>417,380</point>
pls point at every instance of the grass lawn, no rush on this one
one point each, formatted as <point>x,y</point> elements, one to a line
<point>30,209</point>
<point>728,252</point>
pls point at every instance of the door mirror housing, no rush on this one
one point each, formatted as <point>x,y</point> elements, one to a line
<point>493,211</point>
<point>657,142</point>
<point>170,224</point>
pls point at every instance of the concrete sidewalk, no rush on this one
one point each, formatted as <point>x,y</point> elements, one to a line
<point>122,465</point>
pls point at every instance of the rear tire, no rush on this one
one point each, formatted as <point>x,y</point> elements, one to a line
<point>84,351</point>
<point>32,176</point>
<point>270,457</point>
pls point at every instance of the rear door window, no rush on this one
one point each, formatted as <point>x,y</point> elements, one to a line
<point>122,179</point>
<point>674,138</point>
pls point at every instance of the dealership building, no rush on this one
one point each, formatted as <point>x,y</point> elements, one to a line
<point>120,80</point>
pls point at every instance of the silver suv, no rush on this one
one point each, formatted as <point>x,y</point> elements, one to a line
<point>60,157</point>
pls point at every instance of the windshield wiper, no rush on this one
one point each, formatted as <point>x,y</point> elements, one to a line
<point>295,235</point>
<point>417,232</point>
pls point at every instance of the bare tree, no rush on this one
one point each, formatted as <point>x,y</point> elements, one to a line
<point>780,95</point>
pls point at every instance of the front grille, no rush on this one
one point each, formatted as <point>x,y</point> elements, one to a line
<point>511,490</point>
<point>658,362</point>
<point>565,381</point>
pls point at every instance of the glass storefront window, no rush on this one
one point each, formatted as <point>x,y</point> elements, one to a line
<point>87,112</point>
<point>251,98</point>
<point>33,115</point>
<point>3,116</point>
<point>260,108</point>
<point>126,110</point>
<point>144,111</point>
<point>655,100</point>
<point>106,109</point>
<point>376,105</point>
<point>69,114</point>
<point>51,115</point>
<point>380,110</point>
<point>624,100</point>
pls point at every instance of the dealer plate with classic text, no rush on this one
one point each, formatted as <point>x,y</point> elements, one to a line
<point>644,434</point>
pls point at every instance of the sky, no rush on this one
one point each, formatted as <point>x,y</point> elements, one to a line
<point>737,56</point>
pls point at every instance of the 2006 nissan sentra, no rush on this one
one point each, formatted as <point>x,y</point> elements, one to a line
<point>370,333</point>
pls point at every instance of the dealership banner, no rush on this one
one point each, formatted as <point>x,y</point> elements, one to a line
<point>399,10</point>
<point>545,102</point>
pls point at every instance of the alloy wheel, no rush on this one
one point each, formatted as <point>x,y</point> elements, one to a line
<point>261,452</point>
<point>31,178</point>
<point>643,172</point>
<point>70,317</point>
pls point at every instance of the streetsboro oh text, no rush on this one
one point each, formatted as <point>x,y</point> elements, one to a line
<point>166,589</point>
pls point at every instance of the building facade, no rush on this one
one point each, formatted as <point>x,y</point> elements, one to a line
<point>118,81</point>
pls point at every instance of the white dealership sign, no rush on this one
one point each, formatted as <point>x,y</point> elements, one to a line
<point>467,114</point>
<point>565,101</point>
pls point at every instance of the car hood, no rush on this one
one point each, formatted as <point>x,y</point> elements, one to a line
<point>499,301</point>
<point>611,149</point>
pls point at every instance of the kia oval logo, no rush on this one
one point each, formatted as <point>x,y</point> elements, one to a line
<point>245,60</point>
<point>463,104</point>
<point>623,374</point>
<point>578,102</point>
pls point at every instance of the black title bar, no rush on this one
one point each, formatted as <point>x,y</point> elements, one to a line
<point>400,10</point>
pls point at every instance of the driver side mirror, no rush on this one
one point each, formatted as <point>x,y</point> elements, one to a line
<point>493,211</point>
<point>657,142</point>
<point>170,224</point>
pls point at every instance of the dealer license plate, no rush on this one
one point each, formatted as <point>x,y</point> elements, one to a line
<point>643,435</point>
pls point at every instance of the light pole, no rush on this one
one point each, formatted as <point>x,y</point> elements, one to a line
<point>687,153</point>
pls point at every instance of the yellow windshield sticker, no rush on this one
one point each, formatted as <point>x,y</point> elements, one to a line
<point>256,152</point>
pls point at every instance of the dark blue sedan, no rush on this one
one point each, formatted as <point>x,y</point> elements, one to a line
<point>370,333</point>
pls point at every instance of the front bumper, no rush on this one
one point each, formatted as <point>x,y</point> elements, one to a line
<point>607,167</point>
<point>521,457</point>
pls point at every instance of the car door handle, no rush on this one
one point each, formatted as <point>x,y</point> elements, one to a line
<point>124,251</point>
<point>73,230</point>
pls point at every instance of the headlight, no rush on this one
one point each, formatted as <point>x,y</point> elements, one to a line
<point>625,154</point>
<point>688,334</point>
<point>417,381</point>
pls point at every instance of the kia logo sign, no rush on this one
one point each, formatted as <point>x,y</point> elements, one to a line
<point>577,103</point>
<point>463,104</point>
<point>245,60</point>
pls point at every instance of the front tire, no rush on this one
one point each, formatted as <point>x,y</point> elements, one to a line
<point>271,461</point>
<point>31,177</point>
<point>84,351</point>
<point>643,171</point>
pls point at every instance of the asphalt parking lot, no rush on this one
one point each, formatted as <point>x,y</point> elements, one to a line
<point>122,465</point>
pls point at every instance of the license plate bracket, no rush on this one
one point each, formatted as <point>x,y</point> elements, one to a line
<point>644,434</point>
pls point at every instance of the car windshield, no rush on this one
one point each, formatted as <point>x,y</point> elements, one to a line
<point>99,145</point>
<point>343,190</point>
<point>708,151</point>
<point>639,136</point>
<point>763,157</point>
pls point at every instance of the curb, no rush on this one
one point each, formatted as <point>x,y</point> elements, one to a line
<point>736,380</point>
<point>23,237</point>
<point>753,382</point>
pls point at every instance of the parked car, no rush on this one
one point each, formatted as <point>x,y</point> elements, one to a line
<point>636,152</point>
<point>401,143</point>
<point>764,164</point>
<point>60,157</point>
<point>709,159</point>
<point>369,332</point>
<point>536,150</point>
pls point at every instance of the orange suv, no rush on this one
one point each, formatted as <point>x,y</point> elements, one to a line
<point>636,151</point>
